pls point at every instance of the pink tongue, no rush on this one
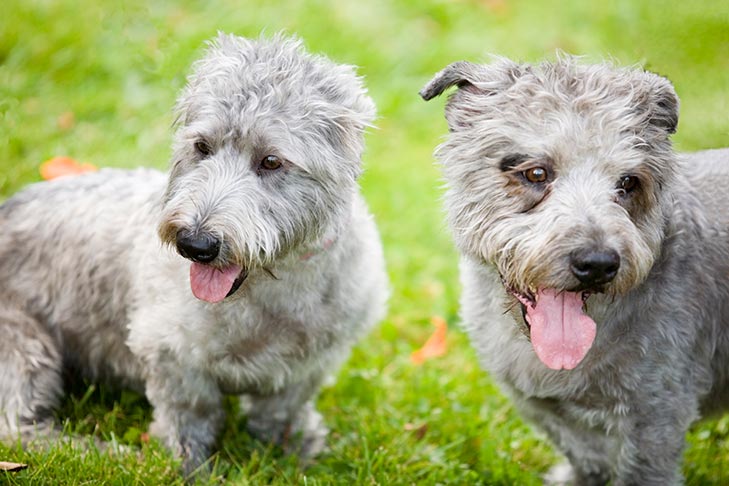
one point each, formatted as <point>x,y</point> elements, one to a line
<point>212,284</point>
<point>561,333</point>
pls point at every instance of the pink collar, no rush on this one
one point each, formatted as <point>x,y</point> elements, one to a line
<point>326,244</point>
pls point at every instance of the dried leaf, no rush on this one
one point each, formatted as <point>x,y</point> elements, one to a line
<point>63,166</point>
<point>12,466</point>
<point>418,431</point>
<point>435,345</point>
<point>66,120</point>
<point>496,6</point>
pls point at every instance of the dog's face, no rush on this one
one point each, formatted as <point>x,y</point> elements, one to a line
<point>559,175</point>
<point>266,157</point>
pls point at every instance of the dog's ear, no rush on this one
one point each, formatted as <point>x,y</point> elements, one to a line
<point>478,78</point>
<point>657,103</point>
<point>663,104</point>
<point>474,82</point>
<point>346,111</point>
<point>459,73</point>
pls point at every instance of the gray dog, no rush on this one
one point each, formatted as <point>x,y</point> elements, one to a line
<point>282,270</point>
<point>595,261</point>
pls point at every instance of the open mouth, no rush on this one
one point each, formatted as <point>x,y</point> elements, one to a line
<point>213,284</point>
<point>238,281</point>
<point>559,330</point>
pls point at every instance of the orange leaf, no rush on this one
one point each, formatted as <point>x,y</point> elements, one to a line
<point>435,345</point>
<point>66,120</point>
<point>63,166</point>
<point>496,6</point>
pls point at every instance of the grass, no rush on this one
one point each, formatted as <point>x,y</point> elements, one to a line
<point>96,80</point>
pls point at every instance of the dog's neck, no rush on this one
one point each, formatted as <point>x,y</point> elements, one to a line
<point>329,237</point>
<point>324,245</point>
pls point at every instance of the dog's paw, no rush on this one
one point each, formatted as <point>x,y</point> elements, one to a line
<point>564,474</point>
<point>305,435</point>
<point>309,434</point>
<point>561,474</point>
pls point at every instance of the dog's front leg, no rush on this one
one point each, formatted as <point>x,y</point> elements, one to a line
<point>188,412</point>
<point>653,443</point>
<point>588,450</point>
<point>289,418</point>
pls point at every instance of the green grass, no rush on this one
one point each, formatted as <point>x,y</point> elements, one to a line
<point>96,80</point>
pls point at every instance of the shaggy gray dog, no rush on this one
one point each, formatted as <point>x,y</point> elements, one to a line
<point>282,269</point>
<point>595,261</point>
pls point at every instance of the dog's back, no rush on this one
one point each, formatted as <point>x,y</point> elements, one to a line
<point>58,244</point>
<point>708,175</point>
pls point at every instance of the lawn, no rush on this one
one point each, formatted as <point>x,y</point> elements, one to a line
<point>96,80</point>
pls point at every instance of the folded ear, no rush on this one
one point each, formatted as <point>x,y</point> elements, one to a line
<point>480,78</point>
<point>474,82</point>
<point>459,73</point>
<point>661,104</point>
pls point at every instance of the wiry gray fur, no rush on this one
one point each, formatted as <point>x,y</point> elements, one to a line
<point>86,284</point>
<point>660,359</point>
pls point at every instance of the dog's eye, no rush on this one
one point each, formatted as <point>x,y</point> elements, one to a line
<point>628,184</point>
<point>536,175</point>
<point>271,162</point>
<point>203,148</point>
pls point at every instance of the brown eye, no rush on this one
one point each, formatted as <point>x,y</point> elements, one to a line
<point>271,162</point>
<point>203,148</point>
<point>536,175</point>
<point>628,184</point>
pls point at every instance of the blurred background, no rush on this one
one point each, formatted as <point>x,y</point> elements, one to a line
<point>96,81</point>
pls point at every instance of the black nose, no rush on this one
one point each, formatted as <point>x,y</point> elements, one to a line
<point>199,247</point>
<point>595,267</point>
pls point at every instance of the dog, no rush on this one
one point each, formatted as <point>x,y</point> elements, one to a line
<point>594,259</point>
<point>251,268</point>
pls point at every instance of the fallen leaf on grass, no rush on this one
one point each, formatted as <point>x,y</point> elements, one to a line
<point>66,120</point>
<point>496,6</point>
<point>11,466</point>
<point>63,166</point>
<point>418,431</point>
<point>435,345</point>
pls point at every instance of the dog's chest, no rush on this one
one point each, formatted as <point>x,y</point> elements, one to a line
<point>259,350</point>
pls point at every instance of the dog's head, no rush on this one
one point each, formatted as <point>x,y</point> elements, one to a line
<point>558,174</point>
<point>266,157</point>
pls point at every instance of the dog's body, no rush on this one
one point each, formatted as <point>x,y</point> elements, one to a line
<point>564,192</point>
<point>286,260</point>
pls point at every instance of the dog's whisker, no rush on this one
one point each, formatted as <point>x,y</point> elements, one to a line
<point>270,273</point>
